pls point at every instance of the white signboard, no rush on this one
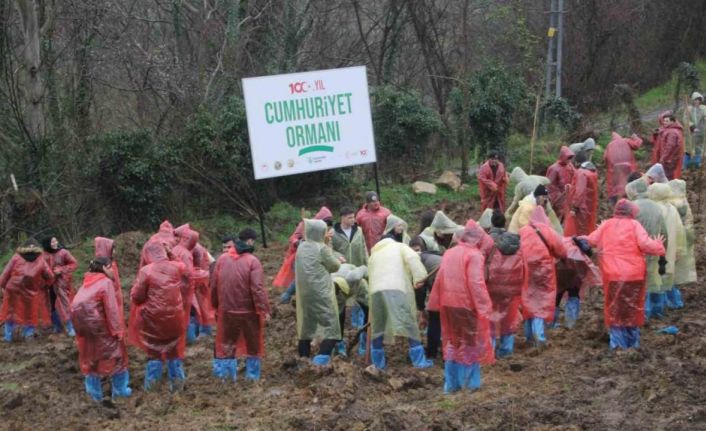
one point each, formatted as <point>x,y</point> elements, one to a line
<point>310,121</point>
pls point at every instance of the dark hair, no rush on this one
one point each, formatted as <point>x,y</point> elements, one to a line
<point>347,210</point>
<point>419,242</point>
<point>228,238</point>
<point>634,176</point>
<point>97,264</point>
<point>247,233</point>
<point>498,219</point>
<point>671,117</point>
<point>426,219</point>
<point>329,221</point>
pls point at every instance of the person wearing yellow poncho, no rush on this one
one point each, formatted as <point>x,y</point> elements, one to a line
<point>437,236</point>
<point>524,185</point>
<point>685,267</point>
<point>351,289</point>
<point>527,206</point>
<point>394,269</point>
<point>661,193</point>
<point>396,228</point>
<point>317,309</point>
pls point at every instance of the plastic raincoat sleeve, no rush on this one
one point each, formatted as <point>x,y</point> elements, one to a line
<point>5,276</point>
<point>646,244</point>
<point>69,265</point>
<point>138,293</point>
<point>113,314</point>
<point>257,289</point>
<point>414,264</point>
<point>476,286</point>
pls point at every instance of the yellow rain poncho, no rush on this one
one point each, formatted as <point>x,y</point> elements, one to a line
<point>392,222</point>
<point>685,271</point>
<point>352,286</point>
<point>394,269</point>
<point>661,193</point>
<point>441,225</point>
<point>524,185</point>
<point>485,220</point>
<point>521,217</point>
<point>651,218</point>
<point>352,249</point>
<point>317,311</point>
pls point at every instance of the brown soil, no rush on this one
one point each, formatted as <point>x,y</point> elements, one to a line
<point>574,384</point>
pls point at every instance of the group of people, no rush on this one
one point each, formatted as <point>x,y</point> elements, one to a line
<point>469,286</point>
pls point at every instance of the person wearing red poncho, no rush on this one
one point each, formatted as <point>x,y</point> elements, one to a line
<point>560,175</point>
<point>541,246</point>
<point>23,283</point>
<point>285,276</point>
<point>492,181</point>
<point>183,252</point>
<point>99,332</point>
<point>582,202</point>
<point>165,235</point>
<point>157,317</point>
<point>372,219</point>
<point>105,247</point>
<point>62,264</point>
<point>669,146</point>
<point>238,293</point>
<point>460,295</point>
<point>620,162</point>
<point>623,243</point>
<point>201,314</point>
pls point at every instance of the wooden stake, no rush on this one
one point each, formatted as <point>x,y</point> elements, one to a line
<point>534,134</point>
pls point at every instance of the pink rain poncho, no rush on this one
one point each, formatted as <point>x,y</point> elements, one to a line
<point>670,152</point>
<point>104,247</point>
<point>560,175</point>
<point>62,264</point>
<point>460,295</point>
<point>24,283</point>
<point>491,185</point>
<point>165,235</point>
<point>620,162</point>
<point>373,223</point>
<point>582,205</point>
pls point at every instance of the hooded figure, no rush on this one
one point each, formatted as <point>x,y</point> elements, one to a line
<point>622,243</point>
<point>655,174</point>
<point>105,247</point>
<point>620,162</point>
<point>583,202</point>
<point>492,181</point>
<point>584,150</point>
<point>527,206</point>
<point>350,243</point>
<point>62,264</point>
<point>183,252</point>
<point>506,275</point>
<point>560,175</point>
<point>461,296</point>
<point>372,218</point>
<point>670,147</point>
<point>685,267</point>
<point>317,309</point>
<point>676,244</point>
<point>285,276</point>
<point>396,229</point>
<point>23,283</point>
<point>651,218</point>
<point>157,315</point>
<point>524,185</point>
<point>100,329</point>
<point>485,220</point>
<point>541,246</point>
<point>238,293</point>
<point>165,235</point>
<point>696,123</point>
<point>394,269</point>
<point>351,289</point>
<point>440,226</point>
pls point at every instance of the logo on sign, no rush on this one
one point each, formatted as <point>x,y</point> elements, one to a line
<point>278,166</point>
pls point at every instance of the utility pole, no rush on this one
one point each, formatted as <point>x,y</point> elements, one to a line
<point>555,35</point>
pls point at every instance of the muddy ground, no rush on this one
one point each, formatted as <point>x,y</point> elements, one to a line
<point>574,384</point>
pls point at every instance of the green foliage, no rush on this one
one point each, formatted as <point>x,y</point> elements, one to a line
<point>518,153</point>
<point>402,125</point>
<point>687,79</point>
<point>558,111</point>
<point>496,95</point>
<point>133,177</point>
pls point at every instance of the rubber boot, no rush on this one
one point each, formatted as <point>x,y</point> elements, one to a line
<point>506,346</point>
<point>93,387</point>
<point>153,373</point>
<point>555,323</point>
<point>618,337</point>
<point>176,374</point>
<point>119,383</point>
<point>321,360</point>
<point>9,330</point>
<point>674,299</point>
<point>534,330</point>
<point>451,377</point>
<point>286,297</point>
<point>28,332</point>
<point>468,376</point>
<point>377,356</point>
<point>192,330</point>
<point>252,368</point>
<point>419,359</point>
<point>571,312</point>
<point>696,161</point>
<point>56,322</point>
<point>70,331</point>
<point>362,343</point>
<point>341,349</point>
<point>225,369</point>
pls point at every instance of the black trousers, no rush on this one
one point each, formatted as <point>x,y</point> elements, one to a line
<point>433,334</point>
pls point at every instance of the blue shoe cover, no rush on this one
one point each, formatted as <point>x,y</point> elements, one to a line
<point>70,329</point>
<point>624,337</point>
<point>176,374</point>
<point>671,330</point>
<point>28,331</point>
<point>321,360</point>
<point>419,359</point>
<point>378,358</point>
<point>362,343</point>
<point>153,373</point>
<point>341,349</point>
<point>93,387</point>
<point>658,301</point>
<point>506,346</point>
<point>450,377</point>
<point>468,376</point>
<point>555,323</point>
<point>648,307</point>
<point>685,161</point>
<point>119,383</point>
<point>192,330</point>
<point>252,368</point>
<point>534,330</point>
<point>225,369</point>
<point>9,330</point>
<point>571,312</point>
<point>56,322</point>
<point>674,299</point>
<point>205,330</point>
<point>696,161</point>
<point>357,317</point>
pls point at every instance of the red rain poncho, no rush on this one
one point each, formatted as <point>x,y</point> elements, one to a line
<point>285,276</point>
<point>582,205</point>
<point>560,175</point>
<point>62,264</point>
<point>373,224</point>
<point>507,276</point>
<point>99,327</point>
<point>241,300</point>
<point>538,298</point>
<point>183,253</point>
<point>670,152</point>
<point>157,322</point>
<point>164,235</point>
<point>104,248</point>
<point>460,295</point>
<point>656,142</point>
<point>204,309</point>
<point>24,286</point>
<point>620,163</point>
<point>492,186</point>
<point>623,243</point>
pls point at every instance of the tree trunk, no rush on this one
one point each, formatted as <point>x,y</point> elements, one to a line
<point>34,87</point>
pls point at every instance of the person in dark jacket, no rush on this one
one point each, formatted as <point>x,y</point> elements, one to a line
<point>428,319</point>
